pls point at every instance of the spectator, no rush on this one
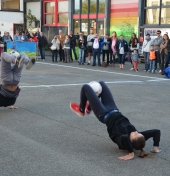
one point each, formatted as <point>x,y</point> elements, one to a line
<point>37,33</point>
<point>106,48</point>
<point>82,46</point>
<point>113,47</point>
<point>156,43</point>
<point>135,59</point>
<point>1,44</point>
<point>164,52</point>
<point>152,58</point>
<point>168,56</point>
<point>17,37</point>
<point>85,51</point>
<point>67,49</point>
<point>42,43</point>
<point>9,36</point>
<point>61,51</point>
<point>55,44</point>
<point>32,38</point>
<point>24,37</point>
<point>145,50</point>
<point>27,33</point>
<point>132,40</point>
<point>122,49</point>
<point>96,49</point>
<point>90,45</point>
<point>72,45</point>
<point>6,39</point>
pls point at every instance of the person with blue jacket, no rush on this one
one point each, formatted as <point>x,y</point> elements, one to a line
<point>17,37</point>
<point>106,45</point>
<point>96,49</point>
<point>122,49</point>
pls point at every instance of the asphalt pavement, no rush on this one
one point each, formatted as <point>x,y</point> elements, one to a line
<point>45,138</point>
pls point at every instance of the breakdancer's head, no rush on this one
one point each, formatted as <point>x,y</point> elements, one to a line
<point>138,140</point>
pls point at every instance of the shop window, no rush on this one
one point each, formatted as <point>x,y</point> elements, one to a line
<point>63,6</point>
<point>165,16</point>
<point>63,18</point>
<point>84,26</point>
<point>101,6</point>
<point>10,5</point>
<point>165,2</point>
<point>152,16</point>
<point>150,3</point>
<point>101,27</point>
<point>76,26</point>
<point>93,25</point>
<point>49,19</point>
<point>76,6</point>
<point>93,5</point>
<point>84,9</point>
<point>49,7</point>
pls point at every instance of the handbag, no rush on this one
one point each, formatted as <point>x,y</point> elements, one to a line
<point>1,45</point>
<point>104,64</point>
<point>53,47</point>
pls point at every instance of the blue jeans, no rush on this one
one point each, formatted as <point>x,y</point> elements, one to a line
<point>167,60</point>
<point>152,66</point>
<point>146,57</point>
<point>81,55</point>
<point>96,52</point>
<point>42,52</point>
<point>121,58</point>
<point>54,55</point>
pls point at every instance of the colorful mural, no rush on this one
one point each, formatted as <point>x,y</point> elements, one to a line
<point>124,17</point>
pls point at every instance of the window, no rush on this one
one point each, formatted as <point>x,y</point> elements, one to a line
<point>151,3</point>
<point>93,25</point>
<point>101,27</point>
<point>10,5</point>
<point>152,16</point>
<point>84,9</point>
<point>101,6</point>
<point>84,26</point>
<point>77,7</point>
<point>165,2</point>
<point>76,26</point>
<point>55,12</point>
<point>93,5</point>
<point>165,16</point>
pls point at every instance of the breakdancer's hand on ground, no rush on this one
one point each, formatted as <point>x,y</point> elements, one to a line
<point>13,107</point>
<point>127,157</point>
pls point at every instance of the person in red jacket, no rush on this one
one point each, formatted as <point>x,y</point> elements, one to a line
<point>32,38</point>
<point>120,130</point>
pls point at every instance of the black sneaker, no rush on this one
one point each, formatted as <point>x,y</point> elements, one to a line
<point>88,63</point>
<point>31,63</point>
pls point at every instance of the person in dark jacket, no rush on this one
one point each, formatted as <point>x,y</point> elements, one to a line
<point>11,69</point>
<point>72,45</point>
<point>120,130</point>
<point>42,42</point>
<point>122,49</point>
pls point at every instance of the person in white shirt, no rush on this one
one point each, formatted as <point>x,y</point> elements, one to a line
<point>145,50</point>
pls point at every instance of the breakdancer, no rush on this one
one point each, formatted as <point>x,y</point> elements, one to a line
<point>11,68</point>
<point>120,130</point>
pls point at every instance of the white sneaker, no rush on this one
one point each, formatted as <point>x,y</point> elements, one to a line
<point>160,71</point>
<point>131,69</point>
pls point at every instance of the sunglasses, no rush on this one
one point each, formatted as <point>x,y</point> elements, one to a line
<point>158,33</point>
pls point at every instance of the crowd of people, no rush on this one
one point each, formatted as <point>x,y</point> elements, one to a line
<point>107,49</point>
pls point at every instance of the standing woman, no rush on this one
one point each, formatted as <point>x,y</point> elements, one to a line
<point>122,49</point>
<point>1,44</point>
<point>163,52</point>
<point>24,37</point>
<point>82,46</point>
<point>113,47</point>
<point>54,48</point>
<point>32,38</point>
<point>17,37</point>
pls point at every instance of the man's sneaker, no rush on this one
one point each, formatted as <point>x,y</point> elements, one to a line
<point>88,63</point>
<point>160,71</point>
<point>76,108</point>
<point>87,110</point>
<point>131,69</point>
<point>20,61</point>
<point>144,70</point>
<point>31,63</point>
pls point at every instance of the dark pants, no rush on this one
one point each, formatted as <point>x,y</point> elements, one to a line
<point>72,48</point>
<point>163,57</point>
<point>54,55</point>
<point>61,54</point>
<point>100,108</point>
<point>85,54</point>
<point>146,57</point>
<point>157,60</point>
<point>96,52</point>
<point>167,60</point>
<point>107,54</point>
<point>67,54</point>
<point>121,58</point>
<point>112,57</point>
<point>42,52</point>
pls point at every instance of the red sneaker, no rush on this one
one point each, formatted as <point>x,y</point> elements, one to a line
<point>76,108</point>
<point>87,110</point>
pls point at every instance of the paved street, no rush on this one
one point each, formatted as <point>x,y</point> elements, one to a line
<point>45,138</point>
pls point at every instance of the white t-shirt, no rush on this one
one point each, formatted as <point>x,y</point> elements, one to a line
<point>121,49</point>
<point>96,44</point>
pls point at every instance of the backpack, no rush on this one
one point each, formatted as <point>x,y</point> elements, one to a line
<point>167,72</point>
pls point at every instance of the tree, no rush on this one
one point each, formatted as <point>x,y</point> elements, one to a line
<point>31,18</point>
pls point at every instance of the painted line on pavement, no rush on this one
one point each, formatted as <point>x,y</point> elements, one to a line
<point>101,71</point>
